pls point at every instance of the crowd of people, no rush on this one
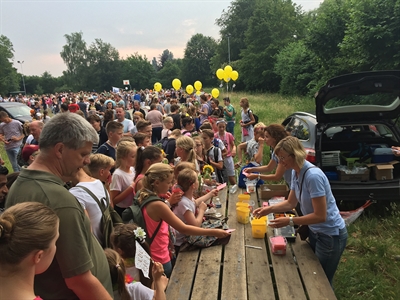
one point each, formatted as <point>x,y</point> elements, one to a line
<point>114,148</point>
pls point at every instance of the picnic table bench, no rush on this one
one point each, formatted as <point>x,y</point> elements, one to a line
<point>235,271</point>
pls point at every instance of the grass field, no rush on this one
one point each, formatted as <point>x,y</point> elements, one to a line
<point>370,265</point>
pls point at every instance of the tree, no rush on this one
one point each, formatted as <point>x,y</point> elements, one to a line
<point>233,22</point>
<point>9,79</point>
<point>138,70</point>
<point>75,56</point>
<point>371,40</point>
<point>103,66</point>
<point>296,66</point>
<point>164,57</point>
<point>169,72</point>
<point>154,63</point>
<point>196,62</point>
<point>272,26</point>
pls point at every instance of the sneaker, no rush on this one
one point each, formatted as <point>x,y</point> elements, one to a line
<point>233,189</point>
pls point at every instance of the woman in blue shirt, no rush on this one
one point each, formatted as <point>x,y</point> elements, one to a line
<point>310,187</point>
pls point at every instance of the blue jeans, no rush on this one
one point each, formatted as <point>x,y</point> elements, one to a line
<point>230,125</point>
<point>12,157</point>
<point>328,249</point>
<point>168,269</point>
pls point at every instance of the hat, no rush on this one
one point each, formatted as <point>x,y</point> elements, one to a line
<point>28,150</point>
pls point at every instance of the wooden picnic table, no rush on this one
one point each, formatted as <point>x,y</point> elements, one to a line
<point>235,271</point>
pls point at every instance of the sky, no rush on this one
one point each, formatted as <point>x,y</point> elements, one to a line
<point>36,28</point>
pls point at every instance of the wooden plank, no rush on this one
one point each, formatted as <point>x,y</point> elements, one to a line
<point>259,281</point>
<point>287,277</point>
<point>206,283</point>
<point>180,283</point>
<point>234,281</point>
<point>314,279</point>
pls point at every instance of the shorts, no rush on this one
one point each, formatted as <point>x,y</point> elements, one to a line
<point>229,166</point>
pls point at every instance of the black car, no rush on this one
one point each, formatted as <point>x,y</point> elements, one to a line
<point>17,111</point>
<point>356,114</point>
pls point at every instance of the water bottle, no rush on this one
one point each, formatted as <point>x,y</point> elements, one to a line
<point>218,206</point>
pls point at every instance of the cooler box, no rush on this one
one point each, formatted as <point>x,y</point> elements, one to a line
<point>382,155</point>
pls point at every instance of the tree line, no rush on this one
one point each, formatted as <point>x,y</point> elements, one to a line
<point>273,44</point>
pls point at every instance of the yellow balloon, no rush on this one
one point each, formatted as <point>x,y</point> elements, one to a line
<point>227,78</point>
<point>234,75</point>
<point>176,83</point>
<point>198,85</point>
<point>157,86</point>
<point>220,74</point>
<point>215,93</point>
<point>189,89</point>
<point>198,93</point>
<point>228,70</point>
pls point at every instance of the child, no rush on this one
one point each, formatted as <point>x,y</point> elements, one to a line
<point>168,123</point>
<point>100,167</point>
<point>145,158</point>
<point>200,153</point>
<point>28,235</point>
<point>134,290</point>
<point>122,180</point>
<point>185,150</point>
<point>158,180</point>
<point>186,208</point>
<point>254,148</point>
<point>229,141</point>
<point>141,139</point>
<point>247,122</point>
<point>114,132</point>
<point>213,155</point>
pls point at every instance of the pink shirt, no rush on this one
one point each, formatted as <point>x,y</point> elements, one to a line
<point>155,118</point>
<point>227,139</point>
<point>159,246</point>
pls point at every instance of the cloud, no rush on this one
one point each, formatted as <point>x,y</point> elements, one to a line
<point>189,22</point>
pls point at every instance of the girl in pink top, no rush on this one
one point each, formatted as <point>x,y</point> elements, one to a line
<point>145,158</point>
<point>158,180</point>
<point>229,143</point>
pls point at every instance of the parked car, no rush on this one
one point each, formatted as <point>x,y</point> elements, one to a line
<point>17,111</point>
<point>355,114</point>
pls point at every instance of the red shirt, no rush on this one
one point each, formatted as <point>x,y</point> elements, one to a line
<point>73,107</point>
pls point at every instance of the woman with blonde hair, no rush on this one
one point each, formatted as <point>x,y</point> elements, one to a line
<point>28,235</point>
<point>310,187</point>
<point>168,124</point>
<point>185,150</point>
<point>121,187</point>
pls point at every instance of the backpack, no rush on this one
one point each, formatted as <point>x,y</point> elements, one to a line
<point>255,116</point>
<point>109,218</point>
<point>221,174</point>
<point>134,214</point>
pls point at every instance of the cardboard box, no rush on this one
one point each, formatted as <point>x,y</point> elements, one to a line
<point>383,171</point>
<point>354,177</point>
<point>274,190</point>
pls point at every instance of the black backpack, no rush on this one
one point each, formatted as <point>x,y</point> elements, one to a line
<point>133,214</point>
<point>255,116</point>
<point>109,219</point>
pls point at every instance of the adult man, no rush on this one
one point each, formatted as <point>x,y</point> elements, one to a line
<point>79,269</point>
<point>3,186</point>
<point>35,128</point>
<point>73,107</point>
<point>136,107</point>
<point>82,106</point>
<point>128,124</point>
<point>11,134</point>
<point>176,116</point>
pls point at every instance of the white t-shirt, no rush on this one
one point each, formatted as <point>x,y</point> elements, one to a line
<point>90,205</point>
<point>183,206</point>
<point>119,182</point>
<point>165,133</point>
<point>128,125</point>
<point>137,291</point>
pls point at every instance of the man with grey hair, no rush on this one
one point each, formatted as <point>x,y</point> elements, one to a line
<point>79,269</point>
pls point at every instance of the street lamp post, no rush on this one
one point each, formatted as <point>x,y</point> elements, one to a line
<point>22,72</point>
<point>229,48</point>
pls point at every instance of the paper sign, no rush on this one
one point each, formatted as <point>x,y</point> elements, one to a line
<point>221,186</point>
<point>142,260</point>
<point>125,82</point>
<point>246,174</point>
